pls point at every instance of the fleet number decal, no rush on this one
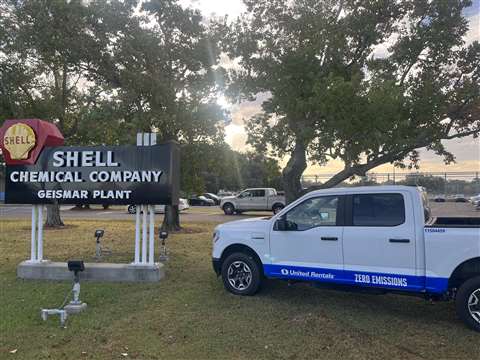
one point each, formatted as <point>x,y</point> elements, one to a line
<point>380,280</point>
<point>434,230</point>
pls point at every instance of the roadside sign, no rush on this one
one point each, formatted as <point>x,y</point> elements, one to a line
<point>39,174</point>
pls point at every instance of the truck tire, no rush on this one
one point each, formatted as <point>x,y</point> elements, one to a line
<point>228,209</point>
<point>241,274</point>
<point>277,207</point>
<point>132,209</point>
<point>467,303</point>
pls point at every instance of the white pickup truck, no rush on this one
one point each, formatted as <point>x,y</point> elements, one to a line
<point>255,199</point>
<point>379,239</point>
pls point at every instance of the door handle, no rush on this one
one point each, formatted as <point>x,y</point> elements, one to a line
<point>399,240</point>
<point>326,238</point>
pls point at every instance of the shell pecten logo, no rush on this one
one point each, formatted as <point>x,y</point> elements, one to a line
<point>19,139</point>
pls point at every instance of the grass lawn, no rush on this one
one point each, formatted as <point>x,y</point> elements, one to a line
<point>189,315</point>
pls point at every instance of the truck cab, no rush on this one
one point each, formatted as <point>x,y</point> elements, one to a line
<point>379,238</point>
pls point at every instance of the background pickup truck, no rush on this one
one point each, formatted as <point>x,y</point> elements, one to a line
<point>256,199</point>
<point>379,239</point>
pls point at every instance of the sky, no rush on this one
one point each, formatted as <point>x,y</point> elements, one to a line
<point>466,150</point>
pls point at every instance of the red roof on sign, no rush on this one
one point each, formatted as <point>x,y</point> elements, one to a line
<point>46,134</point>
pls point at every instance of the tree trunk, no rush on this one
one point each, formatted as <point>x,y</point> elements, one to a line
<point>171,219</point>
<point>53,216</point>
<point>292,173</point>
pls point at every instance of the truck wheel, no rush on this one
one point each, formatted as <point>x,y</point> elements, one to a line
<point>228,209</point>
<point>468,303</point>
<point>132,209</point>
<point>276,208</point>
<point>241,274</point>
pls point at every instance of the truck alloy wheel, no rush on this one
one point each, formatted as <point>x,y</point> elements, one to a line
<point>132,209</point>
<point>468,303</point>
<point>474,305</point>
<point>228,209</point>
<point>241,274</point>
<point>277,208</point>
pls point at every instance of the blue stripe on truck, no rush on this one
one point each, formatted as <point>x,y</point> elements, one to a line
<point>359,278</point>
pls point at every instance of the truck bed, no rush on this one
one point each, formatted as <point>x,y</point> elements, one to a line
<point>473,222</point>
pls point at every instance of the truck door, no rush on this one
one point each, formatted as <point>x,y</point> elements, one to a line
<point>258,201</point>
<point>306,242</point>
<point>243,200</point>
<point>379,241</point>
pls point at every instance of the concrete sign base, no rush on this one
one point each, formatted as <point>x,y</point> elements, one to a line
<point>47,270</point>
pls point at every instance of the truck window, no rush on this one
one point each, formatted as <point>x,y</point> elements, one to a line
<point>244,194</point>
<point>320,211</point>
<point>258,193</point>
<point>378,210</point>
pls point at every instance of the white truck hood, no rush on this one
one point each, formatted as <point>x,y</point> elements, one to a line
<point>250,224</point>
<point>252,232</point>
<point>226,198</point>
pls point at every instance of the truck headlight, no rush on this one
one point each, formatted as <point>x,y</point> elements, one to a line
<point>216,236</point>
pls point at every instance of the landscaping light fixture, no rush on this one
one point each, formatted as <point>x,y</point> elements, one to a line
<point>163,235</point>
<point>75,306</point>
<point>98,247</point>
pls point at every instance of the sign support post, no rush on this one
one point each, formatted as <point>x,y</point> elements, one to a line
<point>40,233</point>
<point>151,255</point>
<point>145,255</point>
<point>144,234</point>
<point>137,236</point>
<point>33,246</point>
<point>36,247</point>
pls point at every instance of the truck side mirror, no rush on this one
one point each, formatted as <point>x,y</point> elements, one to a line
<point>281,224</point>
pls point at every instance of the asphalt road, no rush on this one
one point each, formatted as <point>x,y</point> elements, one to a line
<point>201,213</point>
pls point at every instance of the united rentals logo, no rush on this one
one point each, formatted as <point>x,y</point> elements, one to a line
<point>18,140</point>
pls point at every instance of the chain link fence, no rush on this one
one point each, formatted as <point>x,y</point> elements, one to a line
<point>436,183</point>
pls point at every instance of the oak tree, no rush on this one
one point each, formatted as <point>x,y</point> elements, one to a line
<point>364,82</point>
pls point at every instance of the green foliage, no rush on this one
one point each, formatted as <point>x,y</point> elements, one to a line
<point>51,53</point>
<point>333,96</point>
<point>210,168</point>
<point>102,72</point>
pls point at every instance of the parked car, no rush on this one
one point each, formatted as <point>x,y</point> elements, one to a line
<point>475,200</point>
<point>459,198</point>
<point>223,193</point>
<point>256,199</point>
<point>200,201</point>
<point>373,239</point>
<point>213,197</point>
<point>160,209</point>
<point>440,198</point>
